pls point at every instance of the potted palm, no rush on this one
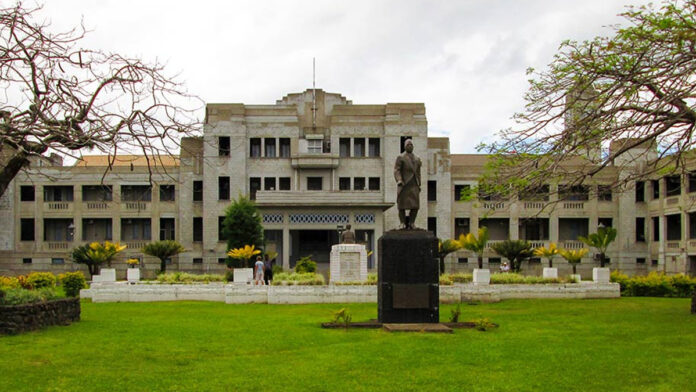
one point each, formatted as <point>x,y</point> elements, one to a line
<point>239,257</point>
<point>133,272</point>
<point>552,250</point>
<point>600,241</point>
<point>574,257</point>
<point>477,245</point>
<point>163,250</point>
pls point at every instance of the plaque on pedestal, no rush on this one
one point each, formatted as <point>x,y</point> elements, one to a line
<point>348,263</point>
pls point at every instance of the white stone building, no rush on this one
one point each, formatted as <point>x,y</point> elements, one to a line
<point>314,161</point>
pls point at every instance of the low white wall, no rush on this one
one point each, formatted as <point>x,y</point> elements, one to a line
<point>246,294</point>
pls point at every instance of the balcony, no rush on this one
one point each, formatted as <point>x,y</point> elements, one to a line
<point>574,205</point>
<point>58,206</point>
<point>135,245</point>
<point>572,245</point>
<point>315,161</point>
<point>321,199</point>
<point>493,205</point>
<point>135,206</point>
<point>97,205</point>
<point>672,246</point>
<point>57,245</point>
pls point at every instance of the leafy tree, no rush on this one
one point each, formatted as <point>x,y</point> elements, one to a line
<point>601,241</point>
<point>58,96</point>
<point>475,244</point>
<point>573,257</point>
<point>163,250</point>
<point>444,248</point>
<point>96,254</point>
<point>516,251</point>
<point>79,256</point>
<point>549,252</point>
<point>242,225</point>
<point>633,90</point>
<point>242,256</point>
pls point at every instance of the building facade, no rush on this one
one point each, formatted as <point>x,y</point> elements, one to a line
<point>314,162</point>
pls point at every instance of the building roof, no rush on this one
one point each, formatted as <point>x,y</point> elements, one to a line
<point>127,160</point>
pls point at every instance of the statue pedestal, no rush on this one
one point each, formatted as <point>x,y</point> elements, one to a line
<point>348,263</point>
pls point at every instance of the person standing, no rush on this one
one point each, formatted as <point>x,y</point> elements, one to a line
<point>258,271</point>
<point>267,270</point>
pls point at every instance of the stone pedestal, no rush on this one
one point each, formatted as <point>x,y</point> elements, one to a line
<point>133,275</point>
<point>408,277</point>
<point>105,275</point>
<point>348,263</point>
<point>601,275</point>
<point>243,275</point>
<point>550,273</point>
<point>576,278</point>
<point>482,276</point>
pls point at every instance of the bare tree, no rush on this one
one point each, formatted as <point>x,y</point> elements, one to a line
<point>60,97</point>
<point>634,92</point>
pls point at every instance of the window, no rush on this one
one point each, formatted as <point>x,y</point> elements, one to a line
<point>692,225</point>
<point>57,260</point>
<point>640,229</point>
<point>640,260</point>
<point>373,183</point>
<point>672,186</point>
<point>269,184</point>
<point>461,227</point>
<point>606,222</point>
<point>654,262</point>
<point>462,260</point>
<point>314,183</point>
<point>403,139</point>
<point>692,182</point>
<point>198,191</point>
<point>656,228</point>
<point>494,260</point>
<point>673,227</point>
<point>604,193</point>
<point>223,188</point>
<point>284,183</point>
<point>224,146</point>
<point>284,147</point>
<point>461,192</point>
<point>315,146</point>
<point>358,147</point>
<point>255,147</point>
<point>535,193</point>
<point>58,193</point>
<point>197,260</point>
<point>534,229</point>
<point>655,189</point>
<point>26,260</point>
<point>222,260</point>
<point>343,183</point>
<point>574,192</point>
<point>432,190</point>
<point>344,147</point>
<point>58,230</point>
<point>197,229</point>
<point>96,229</point>
<point>167,193</point>
<point>254,186</point>
<point>373,147</point>
<point>136,229</point>
<point>640,191</point>
<point>97,193</point>
<point>432,225</point>
<point>569,229</point>
<point>221,236</point>
<point>27,229</point>
<point>270,147</point>
<point>136,193</point>
<point>359,183</point>
<point>26,193</point>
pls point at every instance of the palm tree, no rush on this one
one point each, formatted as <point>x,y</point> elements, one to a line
<point>601,241</point>
<point>474,244</point>
<point>444,248</point>
<point>573,257</point>
<point>243,255</point>
<point>163,250</point>
<point>549,252</point>
<point>514,250</point>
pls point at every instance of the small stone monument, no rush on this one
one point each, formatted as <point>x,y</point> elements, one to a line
<point>348,261</point>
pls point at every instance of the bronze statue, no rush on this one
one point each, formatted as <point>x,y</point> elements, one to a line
<point>348,236</point>
<point>407,172</point>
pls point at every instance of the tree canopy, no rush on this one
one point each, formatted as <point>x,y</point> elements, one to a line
<point>634,92</point>
<point>163,250</point>
<point>60,97</point>
<point>242,225</point>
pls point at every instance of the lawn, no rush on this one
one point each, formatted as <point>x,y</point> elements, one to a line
<point>627,344</point>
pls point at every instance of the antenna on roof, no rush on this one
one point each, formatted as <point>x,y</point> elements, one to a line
<point>314,95</point>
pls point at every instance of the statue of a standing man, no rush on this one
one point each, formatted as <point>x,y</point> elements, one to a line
<point>407,172</point>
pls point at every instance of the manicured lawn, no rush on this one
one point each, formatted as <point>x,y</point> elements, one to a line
<point>629,344</point>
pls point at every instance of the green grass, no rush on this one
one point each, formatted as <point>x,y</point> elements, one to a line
<point>628,344</point>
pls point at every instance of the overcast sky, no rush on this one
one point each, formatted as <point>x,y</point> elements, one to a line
<point>465,60</point>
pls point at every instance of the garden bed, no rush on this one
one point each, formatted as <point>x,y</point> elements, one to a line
<point>16,319</point>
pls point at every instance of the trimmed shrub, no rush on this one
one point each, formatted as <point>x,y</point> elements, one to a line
<point>38,280</point>
<point>298,279</point>
<point>655,285</point>
<point>277,269</point>
<point>184,277</point>
<point>72,283</point>
<point>512,278</point>
<point>23,296</point>
<point>304,265</point>
<point>9,282</point>
<point>445,280</point>
<point>229,275</point>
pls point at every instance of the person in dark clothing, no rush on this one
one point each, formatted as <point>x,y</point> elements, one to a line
<point>267,270</point>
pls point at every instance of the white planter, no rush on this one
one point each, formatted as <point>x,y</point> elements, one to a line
<point>482,276</point>
<point>576,278</point>
<point>600,275</point>
<point>550,273</point>
<point>133,274</point>
<point>243,275</point>
<point>105,275</point>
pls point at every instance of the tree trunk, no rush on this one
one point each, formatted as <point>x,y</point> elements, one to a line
<point>14,165</point>
<point>601,260</point>
<point>693,303</point>
<point>163,266</point>
<point>480,262</point>
<point>550,262</point>
<point>574,271</point>
<point>442,265</point>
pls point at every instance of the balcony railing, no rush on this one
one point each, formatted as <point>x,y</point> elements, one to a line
<point>574,205</point>
<point>97,205</point>
<point>493,205</point>
<point>136,206</point>
<point>491,242</point>
<point>673,245</point>
<point>538,244</point>
<point>58,245</point>
<point>135,245</point>
<point>533,205</point>
<point>572,244</point>
<point>58,205</point>
<point>671,201</point>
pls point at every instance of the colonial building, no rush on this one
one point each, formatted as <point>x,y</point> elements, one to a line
<point>314,162</point>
